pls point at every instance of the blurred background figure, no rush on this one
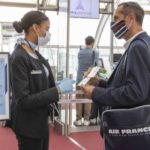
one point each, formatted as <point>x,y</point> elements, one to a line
<point>87,57</point>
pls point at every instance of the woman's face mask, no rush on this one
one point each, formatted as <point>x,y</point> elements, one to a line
<point>44,40</point>
<point>119,28</point>
<point>42,33</point>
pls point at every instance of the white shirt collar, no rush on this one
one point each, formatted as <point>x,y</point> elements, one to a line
<point>126,45</point>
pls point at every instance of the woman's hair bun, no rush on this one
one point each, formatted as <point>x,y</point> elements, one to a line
<point>18,26</point>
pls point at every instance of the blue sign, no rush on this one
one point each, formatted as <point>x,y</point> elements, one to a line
<point>4,86</point>
<point>84,8</point>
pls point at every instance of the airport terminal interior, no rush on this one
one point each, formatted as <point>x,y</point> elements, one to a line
<point>71,21</point>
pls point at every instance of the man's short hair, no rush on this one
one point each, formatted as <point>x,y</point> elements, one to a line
<point>134,7</point>
<point>89,40</point>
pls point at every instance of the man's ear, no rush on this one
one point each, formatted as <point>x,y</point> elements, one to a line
<point>132,16</point>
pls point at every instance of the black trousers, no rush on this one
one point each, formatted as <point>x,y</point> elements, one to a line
<point>25,143</point>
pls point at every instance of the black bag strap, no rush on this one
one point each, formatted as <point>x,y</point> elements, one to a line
<point>148,46</point>
<point>126,54</point>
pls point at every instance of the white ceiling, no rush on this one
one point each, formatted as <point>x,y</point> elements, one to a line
<point>32,3</point>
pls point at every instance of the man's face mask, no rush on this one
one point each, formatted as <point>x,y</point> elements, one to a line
<point>119,28</point>
<point>44,40</point>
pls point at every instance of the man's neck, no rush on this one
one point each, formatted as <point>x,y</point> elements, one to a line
<point>132,33</point>
<point>89,46</point>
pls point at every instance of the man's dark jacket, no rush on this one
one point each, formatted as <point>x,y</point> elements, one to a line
<point>129,84</point>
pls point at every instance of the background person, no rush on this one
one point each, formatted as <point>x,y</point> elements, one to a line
<point>33,85</point>
<point>129,84</point>
<point>87,57</point>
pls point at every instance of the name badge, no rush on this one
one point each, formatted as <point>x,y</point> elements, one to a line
<point>36,72</point>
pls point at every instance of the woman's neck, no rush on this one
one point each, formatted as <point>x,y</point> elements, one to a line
<point>31,38</point>
<point>27,48</point>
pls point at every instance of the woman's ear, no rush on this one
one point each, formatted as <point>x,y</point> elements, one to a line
<point>35,28</point>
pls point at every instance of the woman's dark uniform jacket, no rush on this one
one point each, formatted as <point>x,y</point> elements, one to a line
<point>129,84</point>
<point>32,93</point>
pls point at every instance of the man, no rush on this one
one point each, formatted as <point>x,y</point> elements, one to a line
<point>129,84</point>
<point>86,58</point>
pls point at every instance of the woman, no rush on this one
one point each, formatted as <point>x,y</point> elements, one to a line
<point>33,84</point>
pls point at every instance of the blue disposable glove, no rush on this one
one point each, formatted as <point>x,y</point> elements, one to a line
<point>66,85</point>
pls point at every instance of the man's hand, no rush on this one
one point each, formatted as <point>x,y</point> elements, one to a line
<point>94,81</point>
<point>88,90</point>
